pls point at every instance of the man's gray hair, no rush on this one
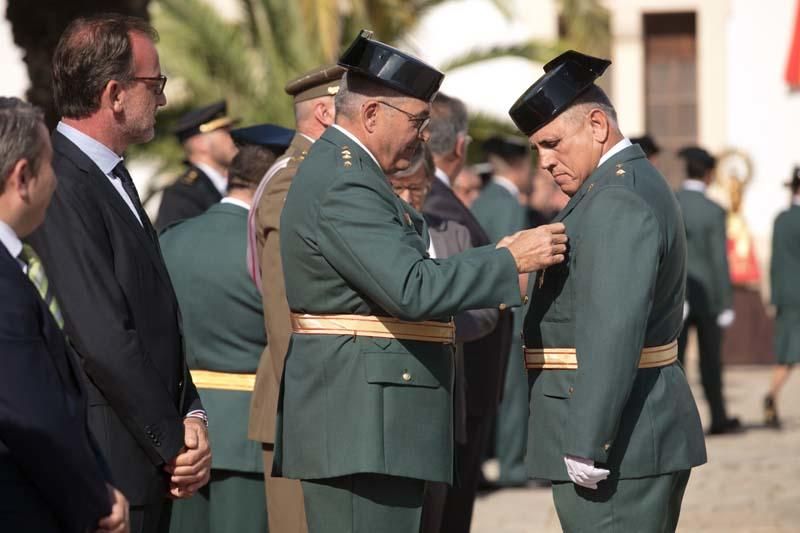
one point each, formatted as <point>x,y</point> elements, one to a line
<point>595,97</point>
<point>448,120</point>
<point>20,136</point>
<point>354,88</point>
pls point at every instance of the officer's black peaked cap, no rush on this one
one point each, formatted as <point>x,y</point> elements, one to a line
<point>565,78</point>
<point>391,67</point>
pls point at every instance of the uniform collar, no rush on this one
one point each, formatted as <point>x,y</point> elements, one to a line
<point>507,184</point>
<point>694,185</point>
<point>355,140</point>
<point>620,146</point>
<point>100,154</point>
<point>236,202</point>
<point>220,182</point>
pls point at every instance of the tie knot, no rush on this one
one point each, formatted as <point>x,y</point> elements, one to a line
<point>28,255</point>
<point>122,173</point>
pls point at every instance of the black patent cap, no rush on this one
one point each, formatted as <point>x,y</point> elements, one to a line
<point>391,67</point>
<point>648,145</point>
<point>566,77</point>
<point>697,155</point>
<point>269,135</point>
<point>203,120</point>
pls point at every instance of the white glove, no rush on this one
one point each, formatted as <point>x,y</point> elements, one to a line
<point>685,311</point>
<point>582,472</point>
<point>725,318</point>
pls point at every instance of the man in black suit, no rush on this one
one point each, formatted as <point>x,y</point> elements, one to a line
<point>102,254</point>
<point>206,139</point>
<point>483,367</point>
<point>51,477</point>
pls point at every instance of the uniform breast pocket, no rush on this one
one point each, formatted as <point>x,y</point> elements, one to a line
<point>554,290</point>
<point>388,362</point>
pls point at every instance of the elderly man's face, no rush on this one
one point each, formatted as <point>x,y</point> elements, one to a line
<point>413,188</point>
<point>403,126</point>
<point>567,149</point>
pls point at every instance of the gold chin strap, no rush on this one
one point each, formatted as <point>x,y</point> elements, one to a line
<point>567,358</point>
<point>374,326</point>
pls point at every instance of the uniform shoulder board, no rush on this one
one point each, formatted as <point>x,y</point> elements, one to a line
<point>190,177</point>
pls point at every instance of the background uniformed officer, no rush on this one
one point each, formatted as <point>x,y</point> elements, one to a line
<point>709,292</point>
<point>205,136</point>
<point>784,269</point>
<point>224,333</point>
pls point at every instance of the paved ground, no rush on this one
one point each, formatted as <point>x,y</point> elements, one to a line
<point>751,483</point>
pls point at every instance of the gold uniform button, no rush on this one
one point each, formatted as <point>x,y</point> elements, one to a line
<point>606,446</point>
<point>502,307</point>
<point>525,299</point>
<point>571,390</point>
<point>406,376</point>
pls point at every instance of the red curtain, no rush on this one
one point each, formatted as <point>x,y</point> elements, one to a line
<point>793,65</point>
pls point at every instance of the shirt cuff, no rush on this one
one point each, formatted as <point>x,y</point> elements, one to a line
<point>198,413</point>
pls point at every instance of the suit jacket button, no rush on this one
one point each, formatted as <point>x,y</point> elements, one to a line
<point>180,384</point>
<point>502,307</point>
<point>406,376</point>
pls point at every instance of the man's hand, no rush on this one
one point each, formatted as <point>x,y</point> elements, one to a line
<point>191,468</point>
<point>119,519</point>
<point>582,472</point>
<point>537,248</point>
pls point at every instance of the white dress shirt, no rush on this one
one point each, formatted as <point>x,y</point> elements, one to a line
<point>12,243</point>
<point>507,184</point>
<point>617,148</point>
<point>219,181</point>
<point>102,156</point>
<point>694,185</point>
<point>444,178</point>
<point>236,202</point>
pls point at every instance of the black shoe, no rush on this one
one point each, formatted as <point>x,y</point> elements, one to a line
<point>730,425</point>
<point>771,419</point>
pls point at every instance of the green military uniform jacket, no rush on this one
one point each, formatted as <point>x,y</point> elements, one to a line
<point>499,212</point>
<point>708,285</point>
<point>785,263</point>
<point>621,289</point>
<point>222,321</point>
<point>784,269</point>
<point>350,245</point>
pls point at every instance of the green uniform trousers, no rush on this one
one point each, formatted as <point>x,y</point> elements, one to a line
<point>644,505</point>
<point>364,503</point>
<point>511,437</point>
<point>232,502</point>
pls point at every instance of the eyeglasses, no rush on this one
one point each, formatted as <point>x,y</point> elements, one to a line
<point>421,122</point>
<point>161,80</point>
<point>415,190</point>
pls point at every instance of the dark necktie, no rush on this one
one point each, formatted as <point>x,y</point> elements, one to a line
<point>130,188</point>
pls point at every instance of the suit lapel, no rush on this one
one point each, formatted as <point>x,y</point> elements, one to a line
<point>107,191</point>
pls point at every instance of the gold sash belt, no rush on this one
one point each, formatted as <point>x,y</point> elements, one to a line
<point>566,358</point>
<point>374,326</point>
<point>209,379</point>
